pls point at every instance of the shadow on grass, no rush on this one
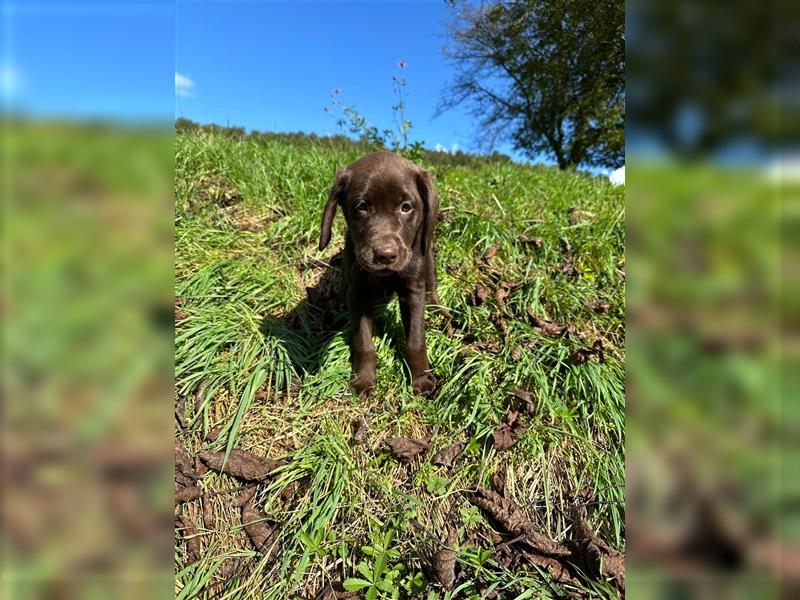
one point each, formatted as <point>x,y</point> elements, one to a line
<point>308,329</point>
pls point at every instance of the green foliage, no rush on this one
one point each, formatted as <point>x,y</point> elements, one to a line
<point>352,121</point>
<point>547,74</point>
<point>283,390</point>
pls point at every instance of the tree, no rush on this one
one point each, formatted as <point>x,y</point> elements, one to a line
<point>704,75</point>
<point>548,75</point>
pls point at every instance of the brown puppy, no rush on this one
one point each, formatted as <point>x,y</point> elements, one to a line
<point>390,208</point>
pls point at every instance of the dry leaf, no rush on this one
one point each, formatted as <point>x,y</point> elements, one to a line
<point>535,241</point>
<point>186,493</point>
<point>184,464</point>
<point>527,398</point>
<point>406,449</point>
<point>548,328</point>
<point>597,306</point>
<point>582,355</point>
<point>209,522</point>
<point>491,251</point>
<point>480,295</point>
<point>360,430</point>
<point>260,532</point>
<point>241,464</point>
<point>191,537</point>
<point>506,435</point>
<point>509,516</point>
<point>447,455</point>
<point>444,563</point>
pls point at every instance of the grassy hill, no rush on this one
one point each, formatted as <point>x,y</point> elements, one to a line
<point>531,265</point>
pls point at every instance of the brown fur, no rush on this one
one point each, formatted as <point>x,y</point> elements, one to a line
<point>390,207</point>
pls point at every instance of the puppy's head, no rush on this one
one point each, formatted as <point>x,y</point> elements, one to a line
<point>390,207</point>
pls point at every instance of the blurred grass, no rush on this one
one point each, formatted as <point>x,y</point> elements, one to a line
<point>712,387</point>
<point>87,338</point>
<point>284,391</point>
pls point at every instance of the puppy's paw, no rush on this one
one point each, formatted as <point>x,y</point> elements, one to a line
<point>424,384</point>
<point>363,387</point>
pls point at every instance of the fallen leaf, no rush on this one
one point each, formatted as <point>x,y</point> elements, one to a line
<point>180,409</point>
<point>597,556</point>
<point>191,537</point>
<point>527,398</point>
<point>535,241</point>
<point>447,455</point>
<point>499,482</point>
<point>261,533</point>
<point>209,522</point>
<point>228,568</point>
<point>506,435</point>
<point>582,355</point>
<point>503,437</point>
<point>509,516</point>
<point>489,347</point>
<point>360,429</point>
<point>548,328</point>
<point>444,563</point>
<point>254,224</point>
<point>491,251</point>
<point>213,434</point>
<point>335,591</point>
<point>501,325</point>
<point>200,467</point>
<point>186,493</point>
<point>406,449</point>
<point>597,306</point>
<point>241,464</point>
<point>502,293</point>
<point>182,479</point>
<point>184,464</point>
<point>245,496</point>
<point>480,295</point>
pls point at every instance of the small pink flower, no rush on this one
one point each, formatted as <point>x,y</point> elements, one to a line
<point>402,64</point>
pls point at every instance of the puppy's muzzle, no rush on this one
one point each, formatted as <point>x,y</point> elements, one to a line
<point>385,254</point>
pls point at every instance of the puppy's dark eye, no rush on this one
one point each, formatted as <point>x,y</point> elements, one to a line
<point>362,207</point>
<point>406,207</point>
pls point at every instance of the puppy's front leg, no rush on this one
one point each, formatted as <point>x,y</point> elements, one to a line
<point>412,310</point>
<point>362,351</point>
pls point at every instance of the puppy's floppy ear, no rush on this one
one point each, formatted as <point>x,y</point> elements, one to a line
<point>430,209</point>
<point>336,196</point>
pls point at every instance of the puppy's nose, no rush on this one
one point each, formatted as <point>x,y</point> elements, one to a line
<point>385,254</point>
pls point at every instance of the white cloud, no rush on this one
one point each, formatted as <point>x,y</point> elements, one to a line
<point>441,148</point>
<point>617,177</point>
<point>10,81</point>
<point>183,86</point>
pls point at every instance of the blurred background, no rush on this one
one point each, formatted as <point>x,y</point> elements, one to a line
<point>87,154</point>
<point>90,92</point>
<point>713,169</point>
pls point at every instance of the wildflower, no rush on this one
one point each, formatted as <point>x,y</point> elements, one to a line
<point>326,109</point>
<point>337,91</point>
<point>402,64</point>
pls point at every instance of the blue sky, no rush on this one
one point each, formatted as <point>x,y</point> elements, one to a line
<point>88,59</point>
<point>273,65</point>
<point>261,65</point>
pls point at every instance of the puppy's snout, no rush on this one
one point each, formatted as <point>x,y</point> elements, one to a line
<point>385,253</point>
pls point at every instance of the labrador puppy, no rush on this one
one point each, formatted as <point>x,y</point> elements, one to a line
<point>390,207</point>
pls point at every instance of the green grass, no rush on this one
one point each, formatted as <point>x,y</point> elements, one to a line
<point>284,392</point>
